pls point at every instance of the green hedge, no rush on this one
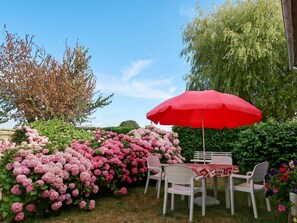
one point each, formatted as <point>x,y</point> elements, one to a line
<point>215,140</point>
<point>271,141</point>
<point>61,134</point>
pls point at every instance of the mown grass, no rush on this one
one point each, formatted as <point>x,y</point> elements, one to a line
<point>139,208</point>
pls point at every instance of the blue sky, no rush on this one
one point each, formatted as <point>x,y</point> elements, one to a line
<point>135,46</point>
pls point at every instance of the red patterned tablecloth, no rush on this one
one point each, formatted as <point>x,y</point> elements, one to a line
<point>211,170</point>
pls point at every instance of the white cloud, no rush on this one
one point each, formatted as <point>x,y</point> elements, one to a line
<point>128,85</point>
<point>135,68</point>
<point>189,12</point>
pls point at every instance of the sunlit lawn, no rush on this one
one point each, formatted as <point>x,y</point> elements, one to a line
<point>137,207</point>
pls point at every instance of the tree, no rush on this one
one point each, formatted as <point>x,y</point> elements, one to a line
<point>130,124</point>
<point>241,49</point>
<point>35,86</point>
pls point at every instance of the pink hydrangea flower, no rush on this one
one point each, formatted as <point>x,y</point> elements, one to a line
<point>16,190</point>
<point>124,191</point>
<point>75,193</point>
<point>56,206</point>
<point>45,194</point>
<point>20,216</point>
<point>82,204</point>
<point>30,207</point>
<point>17,207</point>
<point>71,185</point>
<point>91,205</point>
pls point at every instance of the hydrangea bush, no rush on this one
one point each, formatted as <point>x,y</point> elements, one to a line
<point>161,143</point>
<point>35,180</point>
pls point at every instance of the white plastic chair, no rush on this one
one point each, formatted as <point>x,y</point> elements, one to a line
<point>182,181</point>
<point>250,186</point>
<point>154,172</point>
<point>219,160</point>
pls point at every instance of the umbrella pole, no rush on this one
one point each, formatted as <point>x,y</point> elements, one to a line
<point>203,142</point>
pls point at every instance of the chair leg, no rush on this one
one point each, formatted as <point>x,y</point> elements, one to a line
<point>191,207</point>
<point>165,199</point>
<point>254,205</point>
<point>227,191</point>
<point>203,196</point>
<point>147,182</point>
<point>249,200</point>
<point>215,187</point>
<point>172,201</point>
<point>182,197</point>
<point>232,197</point>
<point>159,187</point>
<point>268,204</point>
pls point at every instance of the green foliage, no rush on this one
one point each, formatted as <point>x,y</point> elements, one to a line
<point>241,49</point>
<point>281,181</point>
<point>130,124</point>
<point>119,130</point>
<point>60,133</point>
<point>19,136</point>
<point>215,140</point>
<point>272,141</point>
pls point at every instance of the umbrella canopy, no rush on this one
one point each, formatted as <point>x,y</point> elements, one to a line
<point>205,109</point>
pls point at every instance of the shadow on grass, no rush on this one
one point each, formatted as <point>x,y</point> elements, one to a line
<point>137,207</point>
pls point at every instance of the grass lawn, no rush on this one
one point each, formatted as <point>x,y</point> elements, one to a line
<point>137,207</point>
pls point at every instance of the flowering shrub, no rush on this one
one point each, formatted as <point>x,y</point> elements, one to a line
<point>120,159</point>
<point>35,182</point>
<point>36,179</point>
<point>280,182</point>
<point>161,143</point>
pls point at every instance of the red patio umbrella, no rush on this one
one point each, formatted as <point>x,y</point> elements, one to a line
<point>205,109</point>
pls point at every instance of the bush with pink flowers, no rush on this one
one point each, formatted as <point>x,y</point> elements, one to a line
<point>35,180</point>
<point>161,143</point>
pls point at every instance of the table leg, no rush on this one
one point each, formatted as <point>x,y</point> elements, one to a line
<point>215,187</point>
<point>227,191</point>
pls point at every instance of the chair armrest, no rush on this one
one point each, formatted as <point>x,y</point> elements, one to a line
<point>249,173</point>
<point>198,177</point>
<point>159,169</point>
<point>240,176</point>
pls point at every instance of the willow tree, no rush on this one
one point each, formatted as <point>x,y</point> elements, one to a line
<point>240,48</point>
<point>35,86</point>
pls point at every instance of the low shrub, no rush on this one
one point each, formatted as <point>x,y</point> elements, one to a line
<point>35,182</point>
<point>272,141</point>
<point>60,133</point>
<point>37,179</point>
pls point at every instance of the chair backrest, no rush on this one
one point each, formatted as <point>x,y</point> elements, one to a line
<point>153,161</point>
<point>221,160</point>
<point>259,172</point>
<point>176,174</point>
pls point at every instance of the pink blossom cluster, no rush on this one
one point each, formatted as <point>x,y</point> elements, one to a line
<point>118,159</point>
<point>59,178</point>
<point>53,170</point>
<point>73,175</point>
<point>6,146</point>
<point>35,140</point>
<point>161,143</point>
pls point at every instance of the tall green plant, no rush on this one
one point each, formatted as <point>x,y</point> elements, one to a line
<point>241,49</point>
